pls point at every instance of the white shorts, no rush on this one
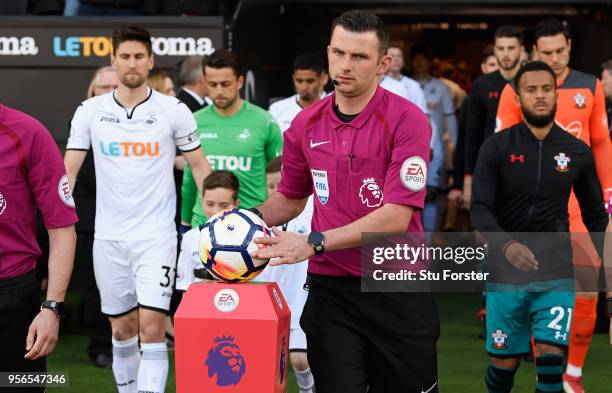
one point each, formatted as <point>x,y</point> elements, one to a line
<point>132,274</point>
<point>290,280</point>
<point>297,339</point>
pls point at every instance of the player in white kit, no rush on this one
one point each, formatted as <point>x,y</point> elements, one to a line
<point>134,132</point>
<point>309,79</point>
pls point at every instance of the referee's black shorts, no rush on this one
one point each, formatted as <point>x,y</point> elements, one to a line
<point>370,342</point>
<point>19,304</point>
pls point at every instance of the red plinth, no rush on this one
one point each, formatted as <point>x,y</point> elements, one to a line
<point>232,338</point>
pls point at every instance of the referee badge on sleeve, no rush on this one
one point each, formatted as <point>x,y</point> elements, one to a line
<point>321,185</point>
<point>414,173</point>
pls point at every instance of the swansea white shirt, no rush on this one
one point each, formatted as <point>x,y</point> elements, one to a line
<point>284,111</point>
<point>134,151</point>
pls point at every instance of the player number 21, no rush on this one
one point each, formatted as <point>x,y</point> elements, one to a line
<point>560,313</point>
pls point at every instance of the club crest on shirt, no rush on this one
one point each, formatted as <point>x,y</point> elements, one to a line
<point>151,121</point>
<point>63,190</point>
<point>579,100</point>
<point>499,339</point>
<point>321,185</point>
<point>562,162</point>
<point>2,203</point>
<point>244,135</point>
<point>370,193</point>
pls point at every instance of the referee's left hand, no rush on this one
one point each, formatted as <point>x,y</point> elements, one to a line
<point>284,247</point>
<point>42,335</point>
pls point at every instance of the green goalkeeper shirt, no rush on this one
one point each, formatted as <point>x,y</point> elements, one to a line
<point>243,144</point>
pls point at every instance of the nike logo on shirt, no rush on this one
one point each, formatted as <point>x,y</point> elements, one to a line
<point>430,389</point>
<point>313,145</point>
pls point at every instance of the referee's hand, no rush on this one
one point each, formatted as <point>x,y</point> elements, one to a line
<point>285,247</point>
<point>42,335</point>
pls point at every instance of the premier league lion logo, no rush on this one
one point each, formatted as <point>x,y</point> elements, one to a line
<point>283,362</point>
<point>226,361</point>
<point>370,193</point>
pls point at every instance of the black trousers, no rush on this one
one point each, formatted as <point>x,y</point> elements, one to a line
<point>96,324</point>
<point>20,300</point>
<point>369,342</point>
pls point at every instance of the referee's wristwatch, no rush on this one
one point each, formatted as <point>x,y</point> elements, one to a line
<point>609,306</point>
<point>58,307</point>
<point>316,240</point>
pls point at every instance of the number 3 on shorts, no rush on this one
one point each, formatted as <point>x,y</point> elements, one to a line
<point>559,313</point>
<point>166,282</point>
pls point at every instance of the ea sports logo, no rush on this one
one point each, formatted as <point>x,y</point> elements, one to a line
<point>414,173</point>
<point>2,203</point>
<point>63,190</point>
<point>226,300</point>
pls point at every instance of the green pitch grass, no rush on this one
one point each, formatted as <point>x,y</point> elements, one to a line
<point>461,358</point>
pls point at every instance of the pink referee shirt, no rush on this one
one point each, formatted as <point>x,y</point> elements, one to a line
<point>354,168</point>
<point>32,174</point>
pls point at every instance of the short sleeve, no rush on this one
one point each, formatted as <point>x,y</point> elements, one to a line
<point>184,129</point>
<point>48,181</point>
<point>274,145</point>
<point>406,175</point>
<point>80,131</point>
<point>296,182</point>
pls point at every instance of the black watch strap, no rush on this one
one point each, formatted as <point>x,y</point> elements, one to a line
<point>609,306</point>
<point>316,240</point>
<point>58,307</point>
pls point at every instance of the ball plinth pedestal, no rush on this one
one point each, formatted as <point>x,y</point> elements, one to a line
<point>232,338</point>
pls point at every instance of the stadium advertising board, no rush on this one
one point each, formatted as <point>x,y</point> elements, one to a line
<point>75,42</point>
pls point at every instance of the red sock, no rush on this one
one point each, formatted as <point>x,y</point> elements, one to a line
<point>583,325</point>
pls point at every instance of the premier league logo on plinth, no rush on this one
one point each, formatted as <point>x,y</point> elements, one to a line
<point>226,361</point>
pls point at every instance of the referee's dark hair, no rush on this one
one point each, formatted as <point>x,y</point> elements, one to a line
<point>550,27</point>
<point>131,33</point>
<point>360,21</point>
<point>222,58</point>
<point>309,61</point>
<point>508,31</point>
<point>530,67</point>
<point>222,179</point>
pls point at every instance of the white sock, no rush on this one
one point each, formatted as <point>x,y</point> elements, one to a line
<point>153,370</point>
<point>126,358</point>
<point>573,371</point>
<point>305,380</point>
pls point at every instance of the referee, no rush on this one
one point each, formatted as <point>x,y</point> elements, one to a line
<point>32,176</point>
<point>350,148</point>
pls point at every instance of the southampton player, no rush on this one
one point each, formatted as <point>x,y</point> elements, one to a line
<point>522,183</point>
<point>582,113</point>
<point>309,79</point>
<point>238,136</point>
<point>134,132</point>
<point>484,98</point>
<point>220,192</point>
